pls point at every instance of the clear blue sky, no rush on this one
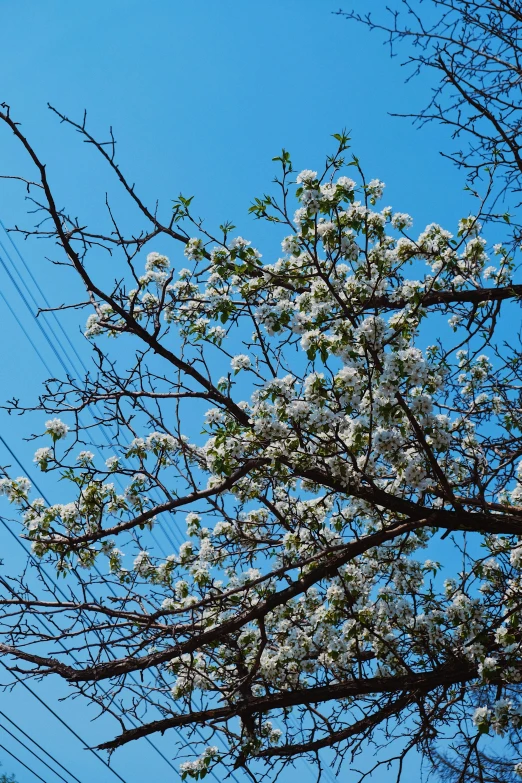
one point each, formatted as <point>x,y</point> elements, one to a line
<point>201,96</point>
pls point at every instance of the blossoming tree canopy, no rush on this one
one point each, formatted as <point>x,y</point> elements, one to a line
<point>351,485</point>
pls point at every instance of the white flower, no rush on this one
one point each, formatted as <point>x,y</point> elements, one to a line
<point>56,428</point>
<point>142,564</point>
<point>16,490</point>
<point>193,523</point>
<point>422,404</point>
<point>185,550</point>
<point>84,458</point>
<point>290,245</point>
<point>306,177</point>
<point>194,249</point>
<point>401,220</point>
<point>482,718</point>
<point>375,189</point>
<point>515,558</point>
<point>69,514</point>
<point>454,321</point>
<point>489,271</point>
<point>328,191</point>
<point>42,457</point>
<point>197,768</point>
<point>239,243</point>
<point>487,667</point>
<point>346,183</point>
<point>213,416</point>
<point>155,261</point>
<point>161,441</point>
<point>181,589</point>
<point>240,362</point>
<point>300,215</point>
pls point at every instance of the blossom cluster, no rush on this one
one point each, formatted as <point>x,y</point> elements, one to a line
<point>331,424</point>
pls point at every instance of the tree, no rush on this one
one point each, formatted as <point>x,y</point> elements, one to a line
<point>472,48</point>
<point>351,575</point>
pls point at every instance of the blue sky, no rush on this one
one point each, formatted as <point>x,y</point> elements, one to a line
<point>201,96</point>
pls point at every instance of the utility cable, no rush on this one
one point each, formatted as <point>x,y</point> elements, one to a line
<point>68,771</point>
<point>23,765</point>
<point>50,709</point>
<point>52,343</point>
<point>40,569</point>
<point>56,340</point>
<point>34,754</point>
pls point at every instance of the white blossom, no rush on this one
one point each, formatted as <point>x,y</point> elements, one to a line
<point>56,428</point>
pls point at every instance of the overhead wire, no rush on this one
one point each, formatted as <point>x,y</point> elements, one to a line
<point>14,456</point>
<point>32,752</point>
<point>24,299</point>
<point>23,764</point>
<point>53,712</point>
<point>56,340</point>
<point>18,321</point>
<point>46,628</point>
<point>31,739</point>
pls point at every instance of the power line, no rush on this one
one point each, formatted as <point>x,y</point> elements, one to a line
<point>50,709</point>
<point>23,765</point>
<point>50,342</point>
<point>39,289</point>
<point>40,569</point>
<point>71,774</point>
<point>22,327</point>
<point>67,726</point>
<point>131,720</point>
<point>24,299</point>
<point>2,262</point>
<point>44,625</point>
<point>34,754</point>
<point>51,310</point>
